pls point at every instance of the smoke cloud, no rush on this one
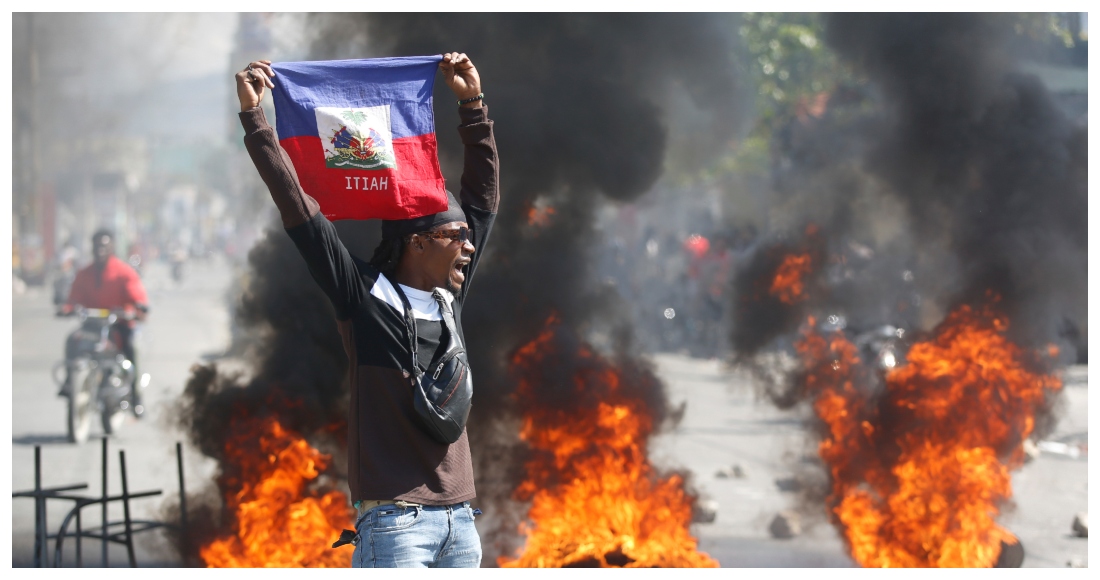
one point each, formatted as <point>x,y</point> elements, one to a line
<point>581,113</point>
<point>969,139</point>
<point>948,175</point>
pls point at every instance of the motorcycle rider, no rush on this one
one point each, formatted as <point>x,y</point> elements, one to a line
<point>110,283</point>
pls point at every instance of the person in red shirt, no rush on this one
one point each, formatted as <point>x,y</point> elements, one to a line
<point>112,284</point>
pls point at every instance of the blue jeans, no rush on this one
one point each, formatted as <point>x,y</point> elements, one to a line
<point>417,537</point>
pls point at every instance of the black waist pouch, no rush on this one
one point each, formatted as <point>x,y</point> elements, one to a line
<point>442,397</point>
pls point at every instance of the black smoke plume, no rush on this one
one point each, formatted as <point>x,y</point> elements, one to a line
<point>952,172</point>
<point>981,156</point>
<point>582,113</point>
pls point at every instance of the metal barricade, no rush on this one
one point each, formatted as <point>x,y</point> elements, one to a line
<point>119,532</point>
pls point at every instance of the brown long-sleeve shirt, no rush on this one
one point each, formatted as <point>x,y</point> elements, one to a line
<point>389,455</point>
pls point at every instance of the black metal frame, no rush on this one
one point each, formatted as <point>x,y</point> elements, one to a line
<point>129,525</point>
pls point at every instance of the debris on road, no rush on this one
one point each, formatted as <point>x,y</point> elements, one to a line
<point>792,484</point>
<point>1012,554</point>
<point>1031,451</point>
<point>735,471</point>
<point>1081,525</point>
<point>705,511</point>
<point>786,524</point>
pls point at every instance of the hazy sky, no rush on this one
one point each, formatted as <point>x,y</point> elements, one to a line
<point>134,73</point>
<point>131,49</point>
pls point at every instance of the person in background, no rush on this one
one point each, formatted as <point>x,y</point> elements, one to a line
<point>110,283</point>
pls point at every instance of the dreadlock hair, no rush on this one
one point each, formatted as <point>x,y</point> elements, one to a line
<point>387,254</point>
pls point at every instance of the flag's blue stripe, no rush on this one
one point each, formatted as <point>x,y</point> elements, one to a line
<point>404,83</point>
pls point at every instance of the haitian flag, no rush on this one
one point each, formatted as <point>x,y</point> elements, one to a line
<point>361,135</point>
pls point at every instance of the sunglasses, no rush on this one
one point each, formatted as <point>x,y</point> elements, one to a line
<point>461,234</point>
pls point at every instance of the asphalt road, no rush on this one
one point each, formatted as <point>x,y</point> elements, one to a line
<point>187,321</point>
<point>723,424</point>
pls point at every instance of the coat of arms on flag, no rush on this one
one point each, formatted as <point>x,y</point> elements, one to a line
<point>361,135</point>
<point>356,138</point>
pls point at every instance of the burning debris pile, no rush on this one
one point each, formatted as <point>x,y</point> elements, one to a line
<point>919,455</point>
<point>991,182</point>
<point>919,469</point>
<point>278,500</point>
<point>280,521</point>
<point>595,499</point>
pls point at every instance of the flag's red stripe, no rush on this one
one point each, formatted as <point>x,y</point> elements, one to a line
<point>413,189</point>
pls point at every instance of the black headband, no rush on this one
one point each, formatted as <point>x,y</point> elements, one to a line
<point>396,229</point>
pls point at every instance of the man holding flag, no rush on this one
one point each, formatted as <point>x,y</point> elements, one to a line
<point>356,141</point>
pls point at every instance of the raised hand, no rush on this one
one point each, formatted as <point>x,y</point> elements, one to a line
<point>459,74</point>
<point>252,81</point>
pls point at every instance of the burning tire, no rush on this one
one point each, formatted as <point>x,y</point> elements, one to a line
<point>1012,555</point>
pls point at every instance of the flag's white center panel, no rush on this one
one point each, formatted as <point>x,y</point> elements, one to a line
<point>356,138</point>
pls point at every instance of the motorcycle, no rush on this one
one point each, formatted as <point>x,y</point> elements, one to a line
<point>96,377</point>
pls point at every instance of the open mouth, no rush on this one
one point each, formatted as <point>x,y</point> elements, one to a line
<point>460,269</point>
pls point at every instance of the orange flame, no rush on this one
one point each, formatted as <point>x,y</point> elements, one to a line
<point>595,499</point>
<point>919,471</point>
<point>540,215</point>
<point>279,522</point>
<point>787,285</point>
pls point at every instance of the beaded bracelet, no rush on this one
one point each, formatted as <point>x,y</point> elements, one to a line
<point>476,97</point>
